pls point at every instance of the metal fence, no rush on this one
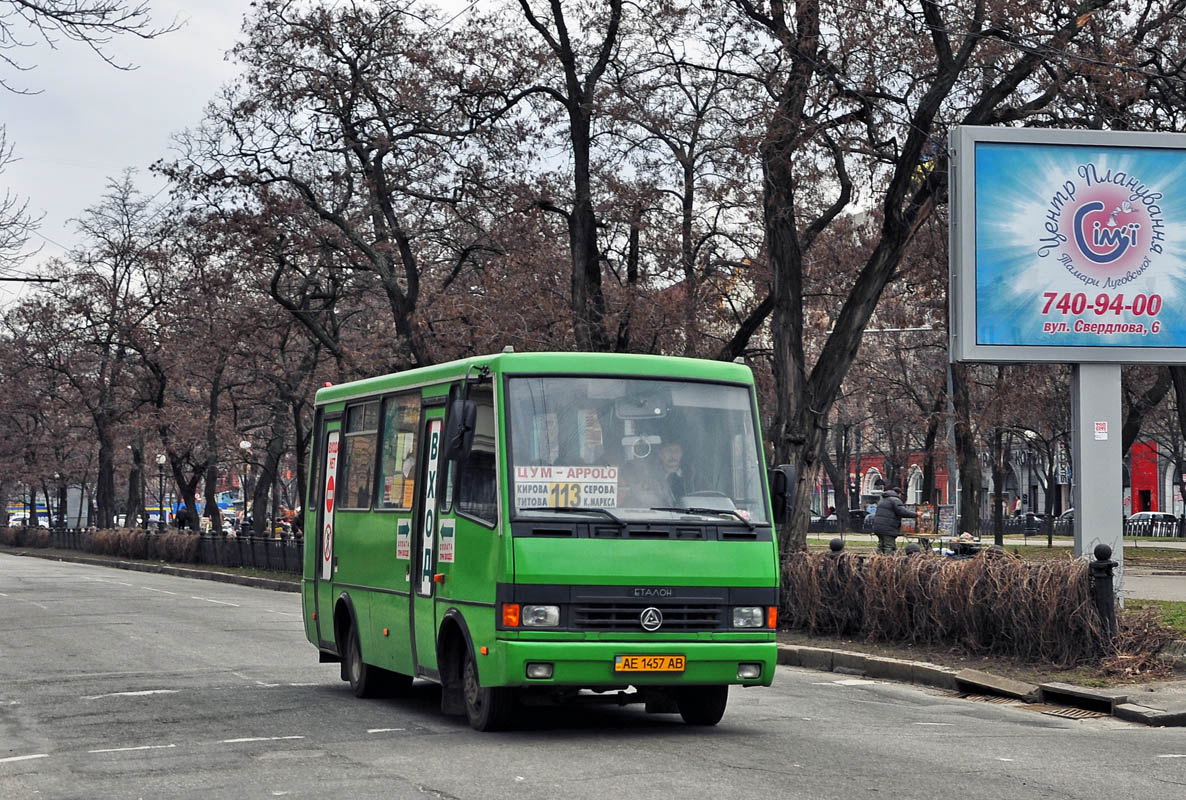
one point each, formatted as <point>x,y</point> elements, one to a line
<point>1023,526</point>
<point>253,552</point>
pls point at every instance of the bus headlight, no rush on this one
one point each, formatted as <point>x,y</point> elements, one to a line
<point>540,616</point>
<point>749,617</point>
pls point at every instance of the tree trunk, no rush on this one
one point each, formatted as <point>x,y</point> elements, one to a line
<point>965,451</point>
<point>135,507</point>
<point>998,486</point>
<point>105,484</point>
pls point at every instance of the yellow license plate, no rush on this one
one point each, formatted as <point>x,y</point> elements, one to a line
<point>649,663</point>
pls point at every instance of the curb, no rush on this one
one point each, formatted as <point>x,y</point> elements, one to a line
<point>165,569</point>
<point>970,681</point>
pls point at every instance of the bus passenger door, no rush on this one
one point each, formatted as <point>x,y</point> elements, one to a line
<point>327,476</point>
<point>424,545</point>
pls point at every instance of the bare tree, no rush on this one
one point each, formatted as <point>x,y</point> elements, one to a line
<point>94,23</point>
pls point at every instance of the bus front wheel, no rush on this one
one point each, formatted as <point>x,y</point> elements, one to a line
<point>487,707</point>
<point>702,705</point>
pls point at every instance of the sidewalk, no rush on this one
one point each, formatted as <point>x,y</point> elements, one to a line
<point>1157,704</point>
<point>1161,704</point>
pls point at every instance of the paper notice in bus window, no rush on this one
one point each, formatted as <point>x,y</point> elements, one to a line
<point>445,553</point>
<point>389,490</point>
<point>571,487</point>
<point>403,539</point>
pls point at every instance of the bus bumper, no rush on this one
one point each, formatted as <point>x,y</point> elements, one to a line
<point>589,664</point>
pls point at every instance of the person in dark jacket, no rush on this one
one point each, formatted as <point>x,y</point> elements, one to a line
<point>887,520</point>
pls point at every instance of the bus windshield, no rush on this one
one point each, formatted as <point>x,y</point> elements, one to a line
<point>641,449</point>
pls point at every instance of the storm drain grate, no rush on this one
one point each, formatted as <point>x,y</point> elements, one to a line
<point>1067,713</point>
<point>990,698</point>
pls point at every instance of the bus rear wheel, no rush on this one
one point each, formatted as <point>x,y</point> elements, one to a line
<point>364,679</point>
<point>367,680</point>
<point>487,707</point>
<point>702,705</point>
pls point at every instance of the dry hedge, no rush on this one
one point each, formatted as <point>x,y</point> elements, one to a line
<point>133,543</point>
<point>24,537</point>
<point>994,604</point>
<point>123,542</point>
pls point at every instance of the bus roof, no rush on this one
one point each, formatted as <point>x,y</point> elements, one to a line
<point>557,363</point>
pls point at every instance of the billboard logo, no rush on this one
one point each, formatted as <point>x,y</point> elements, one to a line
<point>1106,242</point>
<point>1104,226</point>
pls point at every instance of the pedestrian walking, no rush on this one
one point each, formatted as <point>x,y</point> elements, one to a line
<point>887,520</point>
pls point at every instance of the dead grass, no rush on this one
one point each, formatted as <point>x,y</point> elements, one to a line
<point>995,606</point>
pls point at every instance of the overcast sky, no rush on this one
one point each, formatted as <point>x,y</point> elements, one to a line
<point>92,121</point>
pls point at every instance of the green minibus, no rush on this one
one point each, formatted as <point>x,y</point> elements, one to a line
<point>538,526</point>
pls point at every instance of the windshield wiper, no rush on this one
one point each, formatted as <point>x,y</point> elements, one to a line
<point>698,510</point>
<point>621,523</point>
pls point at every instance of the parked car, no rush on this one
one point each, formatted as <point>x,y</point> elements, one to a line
<point>23,522</point>
<point>1068,515</point>
<point>1151,523</point>
<point>1153,516</point>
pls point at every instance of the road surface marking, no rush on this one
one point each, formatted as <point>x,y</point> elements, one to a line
<point>258,739</point>
<point>121,583</point>
<point>220,602</point>
<point>1003,759</point>
<point>131,694</point>
<point>383,730</point>
<point>1173,755</point>
<point>162,591</point>
<point>23,758</point>
<point>128,749</point>
<point>937,724</point>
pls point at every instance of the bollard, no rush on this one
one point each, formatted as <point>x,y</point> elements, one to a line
<point>1102,589</point>
<point>835,547</point>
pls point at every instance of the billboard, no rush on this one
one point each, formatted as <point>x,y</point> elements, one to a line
<point>1068,246</point>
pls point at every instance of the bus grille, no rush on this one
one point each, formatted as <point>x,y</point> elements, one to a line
<point>626,617</point>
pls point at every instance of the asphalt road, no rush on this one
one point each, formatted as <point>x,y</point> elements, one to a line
<point>121,684</point>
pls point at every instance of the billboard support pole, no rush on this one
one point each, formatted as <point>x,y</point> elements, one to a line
<point>1097,475</point>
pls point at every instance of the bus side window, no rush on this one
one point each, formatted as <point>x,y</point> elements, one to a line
<point>358,461</point>
<point>475,484</point>
<point>397,464</point>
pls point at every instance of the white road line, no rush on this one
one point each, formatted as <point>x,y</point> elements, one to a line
<point>220,602</point>
<point>162,591</point>
<point>129,749</point>
<point>283,613</point>
<point>23,758</point>
<point>142,693</point>
<point>937,724</point>
<point>258,739</point>
<point>383,730</point>
<point>121,583</point>
<point>1003,759</point>
<point>2,594</point>
<point>1173,755</point>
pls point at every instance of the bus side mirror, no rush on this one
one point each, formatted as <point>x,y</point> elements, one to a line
<point>460,422</point>
<point>782,492</point>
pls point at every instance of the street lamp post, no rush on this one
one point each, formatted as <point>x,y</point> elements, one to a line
<point>245,449</point>
<point>160,501</point>
<point>57,522</point>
